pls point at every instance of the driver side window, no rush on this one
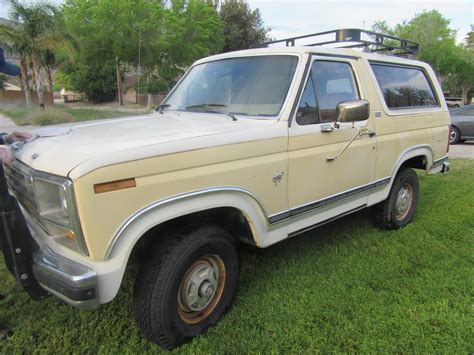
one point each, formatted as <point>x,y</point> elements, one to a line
<point>329,83</point>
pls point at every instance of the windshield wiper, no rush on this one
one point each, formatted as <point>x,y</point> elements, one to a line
<point>161,107</point>
<point>204,106</point>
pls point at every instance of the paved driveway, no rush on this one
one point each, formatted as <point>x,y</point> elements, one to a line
<point>7,125</point>
<point>464,150</point>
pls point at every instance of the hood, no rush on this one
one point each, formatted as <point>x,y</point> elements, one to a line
<point>59,150</point>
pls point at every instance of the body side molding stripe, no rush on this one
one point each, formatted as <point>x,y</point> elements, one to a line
<point>440,161</point>
<point>326,201</point>
<point>279,217</point>
<point>329,220</point>
<point>276,218</point>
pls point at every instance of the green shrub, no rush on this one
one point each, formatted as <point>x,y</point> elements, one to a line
<point>50,116</point>
<point>96,80</point>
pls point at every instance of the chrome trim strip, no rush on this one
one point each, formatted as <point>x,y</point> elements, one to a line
<point>160,203</point>
<point>383,181</point>
<point>273,219</point>
<point>299,92</point>
<point>325,201</point>
<point>279,217</point>
<point>439,161</point>
<point>276,218</point>
<point>329,220</point>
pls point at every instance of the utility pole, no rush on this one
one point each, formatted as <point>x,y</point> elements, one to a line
<point>139,63</point>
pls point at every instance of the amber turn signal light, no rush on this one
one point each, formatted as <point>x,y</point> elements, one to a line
<point>114,185</point>
<point>70,235</point>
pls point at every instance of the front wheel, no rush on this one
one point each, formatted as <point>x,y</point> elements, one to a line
<point>398,209</point>
<point>186,288</point>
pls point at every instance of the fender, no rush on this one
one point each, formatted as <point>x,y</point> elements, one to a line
<point>415,151</point>
<point>123,241</point>
<point>177,206</point>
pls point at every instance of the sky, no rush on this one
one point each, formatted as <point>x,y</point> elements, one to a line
<point>288,18</point>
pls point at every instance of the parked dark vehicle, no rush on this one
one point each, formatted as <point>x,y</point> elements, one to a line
<point>462,124</point>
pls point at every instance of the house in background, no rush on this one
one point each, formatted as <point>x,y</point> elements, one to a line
<point>131,95</point>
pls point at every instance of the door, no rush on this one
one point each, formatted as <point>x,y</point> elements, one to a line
<point>316,183</point>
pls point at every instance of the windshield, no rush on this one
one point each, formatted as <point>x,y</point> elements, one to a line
<point>248,86</point>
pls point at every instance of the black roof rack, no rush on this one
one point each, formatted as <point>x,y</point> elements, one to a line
<point>353,38</point>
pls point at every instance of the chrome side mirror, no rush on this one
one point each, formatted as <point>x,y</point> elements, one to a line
<point>353,111</point>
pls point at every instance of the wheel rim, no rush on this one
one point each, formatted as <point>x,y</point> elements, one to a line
<point>201,288</point>
<point>453,135</point>
<point>403,202</point>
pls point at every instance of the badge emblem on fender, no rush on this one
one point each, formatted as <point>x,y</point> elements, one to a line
<point>34,156</point>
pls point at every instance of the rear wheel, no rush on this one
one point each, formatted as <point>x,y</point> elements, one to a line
<point>398,209</point>
<point>187,286</point>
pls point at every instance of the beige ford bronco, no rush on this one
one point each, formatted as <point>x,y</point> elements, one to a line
<point>251,147</point>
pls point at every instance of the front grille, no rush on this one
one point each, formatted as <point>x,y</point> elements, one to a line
<point>20,184</point>
<point>20,179</point>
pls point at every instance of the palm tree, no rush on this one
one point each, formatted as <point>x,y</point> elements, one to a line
<point>48,61</point>
<point>18,45</point>
<point>36,31</point>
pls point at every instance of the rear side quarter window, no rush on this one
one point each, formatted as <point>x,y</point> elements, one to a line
<point>404,87</point>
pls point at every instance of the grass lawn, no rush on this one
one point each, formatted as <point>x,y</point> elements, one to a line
<point>345,287</point>
<point>22,115</point>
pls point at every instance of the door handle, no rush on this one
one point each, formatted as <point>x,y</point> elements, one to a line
<point>366,132</point>
<point>326,128</point>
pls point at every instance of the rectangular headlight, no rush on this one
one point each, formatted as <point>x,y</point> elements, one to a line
<point>56,209</point>
<point>52,201</point>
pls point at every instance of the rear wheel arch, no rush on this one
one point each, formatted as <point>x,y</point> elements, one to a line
<point>418,157</point>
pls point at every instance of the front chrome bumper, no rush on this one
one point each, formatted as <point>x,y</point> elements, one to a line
<point>70,281</point>
<point>65,278</point>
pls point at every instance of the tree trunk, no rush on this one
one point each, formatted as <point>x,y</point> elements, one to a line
<point>38,78</point>
<point>465,91</point>
<point>24,81</point>
<point>33,74</point>
<point>50,83</point>
<point>149,103</point>
<point>119,82</point>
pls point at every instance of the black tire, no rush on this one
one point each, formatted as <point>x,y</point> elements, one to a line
<point>157,303</point>
<point>385,214</point>
<point>454,135</point>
